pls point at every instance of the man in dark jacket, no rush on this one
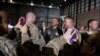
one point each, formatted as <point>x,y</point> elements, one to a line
<point>53,31</point>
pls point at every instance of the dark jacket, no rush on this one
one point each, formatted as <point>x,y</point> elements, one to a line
<point>51,33</point>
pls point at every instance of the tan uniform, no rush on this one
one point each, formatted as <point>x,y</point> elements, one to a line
<point>8,47</point>
<point>82,31</point>
<point>36,36</point>
<point>93,32</point>
<point>58,43</point>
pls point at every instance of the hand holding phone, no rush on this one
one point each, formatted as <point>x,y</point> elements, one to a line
<point>22,21</point>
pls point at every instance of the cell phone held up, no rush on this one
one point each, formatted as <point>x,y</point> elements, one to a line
<point>22,21</point>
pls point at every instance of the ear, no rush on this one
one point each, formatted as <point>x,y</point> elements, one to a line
<point>90,24</point>
<point>92,50</point>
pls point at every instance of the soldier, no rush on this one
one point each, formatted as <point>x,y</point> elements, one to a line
<point>70,36</point>
<point>30,31</point>
<point>92,27</point>
<point>7,46</point>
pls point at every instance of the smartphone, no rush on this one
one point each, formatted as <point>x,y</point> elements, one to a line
<point>22,21</point>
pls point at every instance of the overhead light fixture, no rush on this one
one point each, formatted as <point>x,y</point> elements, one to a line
<point>11,1</point>
<point>65,0</point>
<point>32,4</point>
<point>50,6</point>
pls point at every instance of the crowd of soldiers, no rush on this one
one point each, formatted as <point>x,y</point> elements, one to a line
<point>29,40</point>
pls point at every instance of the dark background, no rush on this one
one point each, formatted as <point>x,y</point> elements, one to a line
<point>17,10</point>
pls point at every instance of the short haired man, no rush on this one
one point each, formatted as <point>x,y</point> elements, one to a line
<point>92,26</point>
<point>70,37</point>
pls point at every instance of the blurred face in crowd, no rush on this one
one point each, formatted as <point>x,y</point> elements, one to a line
<point>82,28</point>
<point>30,17</point>
<point>94,25</point>
<point>54,22</point>
<point>68,23</point>
<point>4,21</point>
<point>3,14</point>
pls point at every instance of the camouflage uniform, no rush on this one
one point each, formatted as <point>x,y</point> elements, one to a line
<point>8,47</point>
<point>35,35</point>
<point>58,43</point>
<point>82,31</point>
<point>93,32</point>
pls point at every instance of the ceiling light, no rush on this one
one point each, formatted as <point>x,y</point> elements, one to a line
<point>50,6</point>
<point>32,4</point>
<point>11,1</point>
<point>65,0</point>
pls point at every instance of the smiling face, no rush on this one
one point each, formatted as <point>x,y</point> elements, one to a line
<point>4,22</point>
